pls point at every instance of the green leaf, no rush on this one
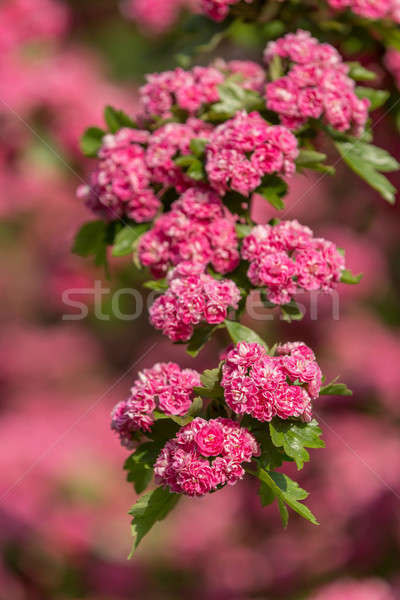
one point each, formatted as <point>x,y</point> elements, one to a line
<point>242,230</point>
<point>271,457</point>
<point>291,312</point>
<point>275,69</point>
<point>267,496</point>
<point>350,152</point>
<point>379,158</point>
<point>335,389</point>
<point>241,333</point>
<point>360,73</point>
<point>150,508</point>
<point>116,119</point>
<point>283,512</point>
<point>309,157</point>
<point>200,337</point>
<point>376,97</point>
<point>196,407</point>
<point>159,285</point>
<point>139,465</point>
<point>181,421</point>
<point>197,146</point>
<point>288,491</point>
<point>348,277</point>
<point>233,98</point>
<point>210,379</point>
<point>273,188</point>
<point>91,240</point>
<point>91,141</point>
<point>295,437</point>
<point>124,240</point>
<point>196,170</point>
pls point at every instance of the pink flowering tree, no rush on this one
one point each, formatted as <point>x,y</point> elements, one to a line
<point>173,186</point>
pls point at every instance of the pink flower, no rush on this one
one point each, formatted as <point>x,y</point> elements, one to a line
<point>191,299</point>
<point>264,386</point>
<point>287,258</point>
<point>198,229</point>
<point>185,464</point>
<point>210,439</point>
<point>120,185</point>
<point>244,149</point>
<point>316,85</point>
<point>165,387</point>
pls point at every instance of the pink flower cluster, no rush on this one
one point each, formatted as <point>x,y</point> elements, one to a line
<point>155,15</point>
<point>24,20</point>
<point>191,90</point>
<point>187,90</point>
<point>244,149</point>
<point>120,185</point>
<point>205,456</point>
<point>266,386</point>
<point>286,258</point>
<point>198,228</point>
<point>316,85</point>
<point>165,143</point>
<point>192,297</point>
<point>165,387</point>
<point>370,9</point>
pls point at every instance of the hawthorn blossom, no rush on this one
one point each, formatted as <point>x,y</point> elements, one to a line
<point>165,143</point>
<point>120,185</point>
<point>205,456</point>
<point>266,386</point>
<point>165,387</point>
<point>198,228</point>
<point>244,149</point>
<point>316,85</point>
<point>191,298</point>
<point>186,90</point>
<point>286,258</point>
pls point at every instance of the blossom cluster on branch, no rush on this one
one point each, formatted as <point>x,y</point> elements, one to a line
<point>173,187</point>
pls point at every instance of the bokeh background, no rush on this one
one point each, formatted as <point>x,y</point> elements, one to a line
<point>64,527</point>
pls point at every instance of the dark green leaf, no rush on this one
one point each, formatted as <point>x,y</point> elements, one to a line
<point>124,240</point>
<point>210,384</point>
<point>376,97</point>
<point>116,119</point>
<point>335,389</point>
<point>273,188</point>
<point>291,312</point>
<point>294,437</point>
<point>150,508</point>
<point>139,465</point>
<point>91,141</point>
<point>91,240</point>
<point>288,491</point>
<point>241,333</point>
<point>283,512</point>
<point>200,337</point>
<point>267,496</point>
<point>196,407</point>
<point>348,277</point>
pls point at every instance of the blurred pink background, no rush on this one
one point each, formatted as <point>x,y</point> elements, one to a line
<point>63,495</point>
